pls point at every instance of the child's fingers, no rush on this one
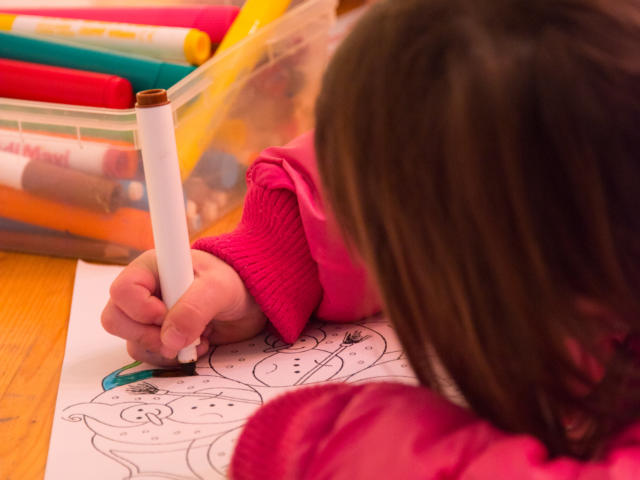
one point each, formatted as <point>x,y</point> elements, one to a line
<point>189,317</point>
<point>138,352</point>
<point>203,346</point>
<point>201,349</point>
<point>116,322</point>
<point>230,332</point>
<point>143,270</point>
<point>133,291</point>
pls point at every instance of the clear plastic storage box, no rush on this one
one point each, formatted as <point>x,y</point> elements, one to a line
<point>256,94</point>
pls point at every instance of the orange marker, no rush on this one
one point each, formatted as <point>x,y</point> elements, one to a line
<point>127,226</point>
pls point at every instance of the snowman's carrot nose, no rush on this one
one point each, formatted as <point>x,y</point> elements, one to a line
<point>153,418</point>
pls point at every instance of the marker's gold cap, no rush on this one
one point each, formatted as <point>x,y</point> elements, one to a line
<point>197,47</point>
<point>6,21</point>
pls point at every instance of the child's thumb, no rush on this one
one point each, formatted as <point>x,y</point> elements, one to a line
<point>188,318</point>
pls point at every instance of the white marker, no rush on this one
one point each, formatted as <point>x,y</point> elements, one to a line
<point>171,44</point>
<point>166,200</point>
<point>90,157</point>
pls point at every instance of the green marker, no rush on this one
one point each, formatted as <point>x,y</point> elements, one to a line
<point>143,73</point>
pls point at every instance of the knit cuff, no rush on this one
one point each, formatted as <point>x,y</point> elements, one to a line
<point>269,250</point>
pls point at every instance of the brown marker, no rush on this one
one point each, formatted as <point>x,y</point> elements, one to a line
<point>62,245</point>
<point>60,184</point>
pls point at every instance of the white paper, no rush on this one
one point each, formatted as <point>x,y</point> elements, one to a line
<point>185,427</point>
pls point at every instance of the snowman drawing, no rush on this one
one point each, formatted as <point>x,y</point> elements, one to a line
<point>172,424</point>
<point>321,353</point>
<point>140,423</point>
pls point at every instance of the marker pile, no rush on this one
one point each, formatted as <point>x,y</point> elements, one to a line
<point>101,56</point>
<point>72,181</point>
<point>87,198</point>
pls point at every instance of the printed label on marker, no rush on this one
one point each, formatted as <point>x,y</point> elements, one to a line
<point>165,43</point>
<point>89,157</point>
<point>36,152</point>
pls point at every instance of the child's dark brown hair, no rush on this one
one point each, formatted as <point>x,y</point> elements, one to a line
<point>483,156</point>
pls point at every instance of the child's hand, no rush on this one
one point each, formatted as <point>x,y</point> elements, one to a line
<point>216,307</point>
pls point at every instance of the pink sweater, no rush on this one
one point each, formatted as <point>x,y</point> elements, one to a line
<point>287,248</point>
<point>292,260</point>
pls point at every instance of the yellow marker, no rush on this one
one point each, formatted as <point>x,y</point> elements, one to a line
<point>253,15</point>
<point>170,44</point>
<point>200,124</point>
<point>6,21</point>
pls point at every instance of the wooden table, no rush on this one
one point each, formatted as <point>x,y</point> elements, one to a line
<point>35,299</point>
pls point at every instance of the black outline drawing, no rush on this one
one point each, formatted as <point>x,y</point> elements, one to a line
<point>184,428</point>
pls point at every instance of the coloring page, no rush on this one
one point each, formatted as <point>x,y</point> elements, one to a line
<point>119,419</point>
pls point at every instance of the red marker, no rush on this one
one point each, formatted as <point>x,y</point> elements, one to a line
<point>48,83</point>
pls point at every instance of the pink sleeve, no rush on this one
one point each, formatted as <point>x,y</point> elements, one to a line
<point>287,248</point>
<point>269,251</point>
<point>383,430</point>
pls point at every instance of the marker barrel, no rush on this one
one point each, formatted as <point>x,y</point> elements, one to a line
<point>126,226</point>
<point>142,72</point>
<point>166,202</point>
<point>59,183</point>
<point>214,20</point>
<point>200,128</point>
<point>171,44</point>
<point>90,157</point>
<point>39,240</point>
<point>48,83</point>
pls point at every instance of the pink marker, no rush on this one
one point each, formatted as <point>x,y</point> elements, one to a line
<point>214,20</point>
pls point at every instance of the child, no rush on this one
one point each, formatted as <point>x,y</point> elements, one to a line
<point>482,158</point>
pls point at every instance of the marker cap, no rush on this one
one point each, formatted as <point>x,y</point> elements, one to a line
<point>120,163</point>
<point>197,47</point>
<point>6,21</point>
<point>151,98</point>
<point>118,92</point>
